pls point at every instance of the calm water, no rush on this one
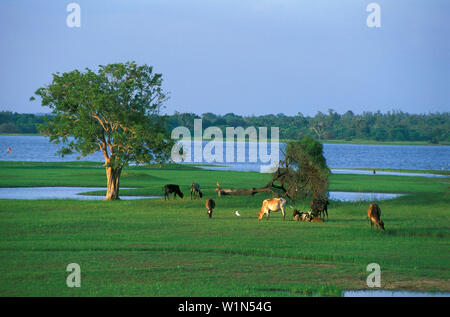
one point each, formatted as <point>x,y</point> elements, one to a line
<point>361,196</point>
<point>338,156</point>
<point>74,193</point>
<point>385,293</point>
<point>57,193</point>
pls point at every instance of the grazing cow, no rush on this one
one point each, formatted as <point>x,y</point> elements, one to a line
<point>374,215</point>
<point>273,204</point>
<point>172,188</point>
<point>210,205</point>
<point>319,207</point>
<point>195,189</point>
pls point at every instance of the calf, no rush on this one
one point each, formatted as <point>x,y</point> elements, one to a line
<point>210,205</point>
<point>296,215</point>
<point>195,189</point>
<point>301,216</point>
<point>172,188</point>
<point>374,215</point>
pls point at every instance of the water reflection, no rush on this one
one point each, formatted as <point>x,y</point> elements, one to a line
<point>58,193</point>
<point>361,196</point>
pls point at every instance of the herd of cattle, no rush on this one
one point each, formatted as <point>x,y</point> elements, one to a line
<point>319,207</point>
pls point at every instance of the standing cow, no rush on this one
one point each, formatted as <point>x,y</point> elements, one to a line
<point>172,188</point>
<point>319,207</point>
<point>273,204</point>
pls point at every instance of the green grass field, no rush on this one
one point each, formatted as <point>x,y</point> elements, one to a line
<point>153,247</point>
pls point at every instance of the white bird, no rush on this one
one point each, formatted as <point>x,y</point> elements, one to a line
<point>237,213</point>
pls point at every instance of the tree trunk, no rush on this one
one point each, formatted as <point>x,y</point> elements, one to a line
<point>243,192</point>
<point>113,179</point>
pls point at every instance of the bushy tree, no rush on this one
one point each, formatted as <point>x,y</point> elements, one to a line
<point>115,110</point>
<point>304,171</point>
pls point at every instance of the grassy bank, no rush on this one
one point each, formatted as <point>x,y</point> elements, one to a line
<point>153,247</point>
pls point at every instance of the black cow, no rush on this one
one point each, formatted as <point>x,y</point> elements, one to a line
<point>172,188</point>
<point>319,207</point>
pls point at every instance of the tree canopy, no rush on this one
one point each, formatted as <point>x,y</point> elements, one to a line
<point>115,110</point>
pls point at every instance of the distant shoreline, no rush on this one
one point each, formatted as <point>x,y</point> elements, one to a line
<point>20,134</point>
<point>372,142</point>
<point>435,172</point>
<point>356,141</point>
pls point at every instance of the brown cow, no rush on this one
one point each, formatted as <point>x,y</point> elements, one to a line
<point>374,214</point>
<point>210,205</point>
<point>273,204</point>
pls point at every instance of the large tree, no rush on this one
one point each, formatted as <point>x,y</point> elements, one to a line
<point>115,110</point>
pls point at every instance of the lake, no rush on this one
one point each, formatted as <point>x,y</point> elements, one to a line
<point>338,156</point>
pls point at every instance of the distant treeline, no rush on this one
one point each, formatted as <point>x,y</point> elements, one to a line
<point>377,126</point>
<point>19,123</point>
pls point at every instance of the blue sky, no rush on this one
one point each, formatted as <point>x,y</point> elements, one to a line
<point>241,56</point>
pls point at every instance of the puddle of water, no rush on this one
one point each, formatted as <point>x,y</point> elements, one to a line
<point>386,293</point>
<point>74,193</point>
<point>58,193</point>
<point>356,196</point>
